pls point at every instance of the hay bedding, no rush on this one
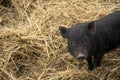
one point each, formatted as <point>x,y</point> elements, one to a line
<point>31,47</point>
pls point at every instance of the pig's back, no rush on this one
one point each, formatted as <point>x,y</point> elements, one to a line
<point>109,22</point>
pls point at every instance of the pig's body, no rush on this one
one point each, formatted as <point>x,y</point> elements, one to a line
<point>108,29</point>
<point>93,39</point>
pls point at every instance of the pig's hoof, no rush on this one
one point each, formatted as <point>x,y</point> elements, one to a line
<point>91,68</point>
<point>95,66</point>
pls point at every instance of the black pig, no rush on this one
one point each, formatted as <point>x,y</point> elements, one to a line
<point>92,40</point>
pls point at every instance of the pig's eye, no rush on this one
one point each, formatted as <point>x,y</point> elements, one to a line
<point>86,40</point>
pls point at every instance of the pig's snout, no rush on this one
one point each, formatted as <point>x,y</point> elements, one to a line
<point>81,57</point>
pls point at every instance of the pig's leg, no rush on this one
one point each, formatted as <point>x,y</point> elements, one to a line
<point>90,64</point>
<point>97,60</point>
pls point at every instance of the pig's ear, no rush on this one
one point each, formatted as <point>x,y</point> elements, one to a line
<point>63,31</point>
<point>91,28</point>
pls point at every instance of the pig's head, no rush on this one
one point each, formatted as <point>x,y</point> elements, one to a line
<point>79,39</point>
